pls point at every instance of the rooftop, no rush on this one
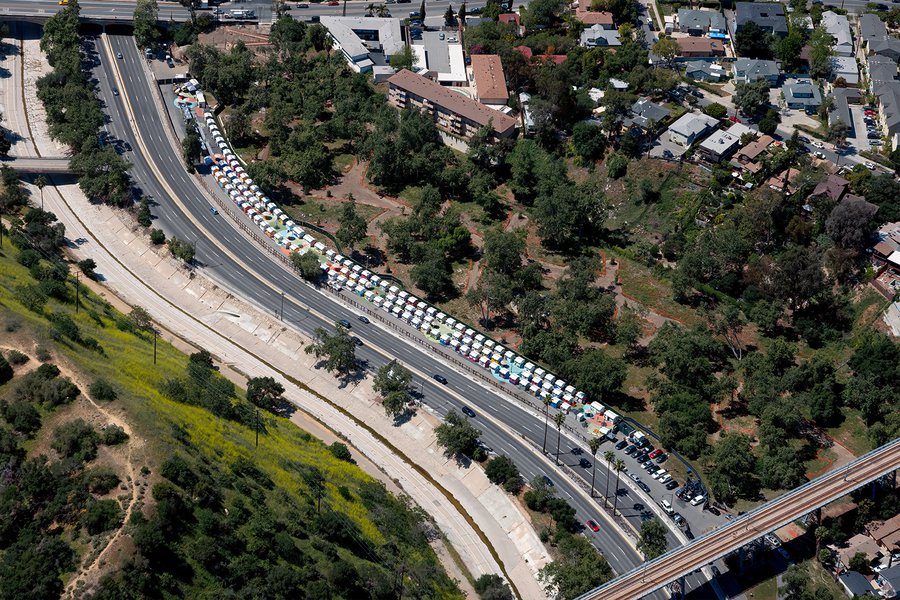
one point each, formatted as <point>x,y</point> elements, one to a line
<point>871,27</point>
<point>489,79</point>
<point>882,68</point>
<point>768,15</point>
<point>357,36</point>
<point>838,26</point>
<point>700,45</point>
<point>596,35</point>
<point>440,56</point>
<point>452,101</point>
<point>758,67</point>
<point>802,92</point>
<point>643,111</point>
<point>592,17</point>
<point>888,93</point>
<point>700,19</point>
<point>691,124</point>
<point>752,150</point>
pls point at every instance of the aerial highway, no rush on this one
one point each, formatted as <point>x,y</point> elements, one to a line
<point>255,266</point>
<point>247,268</point>
<point>655,574</point>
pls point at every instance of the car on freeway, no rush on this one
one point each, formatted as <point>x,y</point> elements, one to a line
<point>214,210</point>
<point>638,506</point>
<point>818,144</point>
<point>357,341</point>
<point>644,486</point>
<point>119,55</point>
<point>584,463</point>
<point>333,3</point>
<point>303,5</point>
<point>115,92</point>
<point>548,481</point>
<point>622,444</point>
<point>870,166</point>
<point>439,378</point>
<point>362,319</point>
<point>672,485</point>
<point>592,525</point>
<point>576,451</point>
<point>468,412</point>
<point>344,323</point>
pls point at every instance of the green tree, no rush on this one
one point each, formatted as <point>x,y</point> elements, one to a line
<point>353,226</point>
<point>859,562</point>
<point>422,11</point>
<point>405,59</point>
<point>144,216</point>
<point>667,49</point>
<point>596,373</point>
<point>307,264</point>
<point>594,445</point>
<point>338,350</point>
<point>588,142</point>
<point>182,249</point>
<point>733,473</point>
<point>752,41</point>
<point>146,14</point>
<point>558,420</point>
<point>578,569</point>
<point>265,392</point>
<point>340,451</point>
<point>652,539</point>
<point>492,586</point>
<point>392,382</point>
<point>820,52</point>
<point>616,165</point>
<point>449,16</point>
<point>787,49</point>
<point>103,174</point>
<point>190,148</point>
<point>6,371</point>
<point>751,97</point>
<point>457,436</point>
<point>837,133</point>
<point>715,110</point>
<point>503,471</point>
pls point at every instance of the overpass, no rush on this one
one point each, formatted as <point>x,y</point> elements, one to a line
<point>36,166</point>
<point>723,540</point>
<point>101,12</point>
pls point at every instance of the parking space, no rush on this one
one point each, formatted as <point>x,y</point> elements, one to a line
<point>860,141</point>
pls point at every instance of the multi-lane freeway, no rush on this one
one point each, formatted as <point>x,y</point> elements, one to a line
<point>241,265</point>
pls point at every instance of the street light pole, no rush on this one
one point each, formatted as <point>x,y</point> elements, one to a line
<point>77,289</point>
<point>281,318</point>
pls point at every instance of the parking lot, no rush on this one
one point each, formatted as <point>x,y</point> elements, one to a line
<point>860,141</point>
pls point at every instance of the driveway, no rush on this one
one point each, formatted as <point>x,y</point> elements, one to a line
<point>861,142</point>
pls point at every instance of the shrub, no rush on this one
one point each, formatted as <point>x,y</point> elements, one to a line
<point>31,297</point>
<point>492,586</point>
<point>16,358</point>
<point>22,416</point>
<point>6,372</point>
<point>616,165</point>
<point>101,515</point>
<point>76,439</point>
<point>42,354</point>
<point>340,451</point>
<point>101,480</point>
<point>715,110</point>
<point>157,236</point>
<point>113,435</point>
<point>87,267</point>
<point>102,390</point>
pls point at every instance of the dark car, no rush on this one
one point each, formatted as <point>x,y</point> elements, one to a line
<point>439,378</point>
<point>548,481</point>
<point>344,323</point>
<point>468,412</point>
<point>357,341</point>
<point>576,450</point>
<point>622,444</point>
<point>631,449</point>
<point>644,486</point>
<point>714,510</point>
<point>584,463</point>
<point>690,536</point>
<point>661,458</point>
<point>362,319</point>
<point>677,518</point>
<point>672,485</point>
<point>638,506</point>
<point>115,92</point>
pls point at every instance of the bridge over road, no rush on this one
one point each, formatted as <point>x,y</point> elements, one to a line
<point>723,540</point>
<point>38,166</point>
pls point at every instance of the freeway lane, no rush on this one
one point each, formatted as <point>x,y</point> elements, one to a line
<point>620,555</point>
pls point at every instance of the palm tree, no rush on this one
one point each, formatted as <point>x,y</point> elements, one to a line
<point>620,465</point>
<point>40,182</point>
<point>559,419</point>
<point>594,445</point>
<point>609,456</point>
<point>546,416</point>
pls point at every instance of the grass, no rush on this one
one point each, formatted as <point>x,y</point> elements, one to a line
<point>128,364</point>
<point>327,211</point>
<point>852,432</point>
<point>641,285</point>
<point>706,86</point>
<point>765,590</point>
<point>343,162</point>
<point>817,132</point>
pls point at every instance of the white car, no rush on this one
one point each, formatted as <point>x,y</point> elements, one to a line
<point>870,166</point>
<point>698,500</point>
<point>818,144</point>
<point>820,155</point>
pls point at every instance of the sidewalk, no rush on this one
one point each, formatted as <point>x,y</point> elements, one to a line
<point>256,344</point>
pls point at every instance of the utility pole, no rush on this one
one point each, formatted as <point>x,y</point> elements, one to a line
<point>154,345</point>
<point>77,288</point>
<point>257,428</point>
<point>281,318</point>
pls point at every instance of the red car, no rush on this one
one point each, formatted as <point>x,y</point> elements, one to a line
<point>655,453</point>
<point>333,3</point>
<point>592,525</point>
<point>869,113</point>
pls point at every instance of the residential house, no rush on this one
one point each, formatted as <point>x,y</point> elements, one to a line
<point>487,75</point>
<point>701,70</point>
<point>645,113</point>
<point>887,251</point>
<point>856,585</point>
<point>700,22</point>
<point>540,58</point>
<point>881,69</point>
<point>784,182</point>
<point>690,128</point>
<point>888,94</point>
<point>859,543</point>
<point>802,94</point>
<point>870,28</point>
<point>833,188</point>
<point>596,36</point>
<point>748,70</point>
<point>453,112</point>
<point>839,28</point>
<point>844,67</point>
<point>618,84</point>
<point>747,156</point>
<point>512,19</point>
<point>889,581</point>
<point>365,42</point>
<point>842,98</point>
<point>886,46</point>
<point>887,535</point>
<point>700,47</point>
<point>768,15</point>
<point>594,17</point>
<point>721,144</point>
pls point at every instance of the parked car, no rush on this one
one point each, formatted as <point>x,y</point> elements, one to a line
<point>661,458</point>
<point>677,518</point>
<point>655,453</point>
<point>644,486</point>
<point>672,485</point>
<point>818,144</point>
<point>622,444</point>
<point>870,166</point>
<point>634,477</point>
<point>714,510</point>
<point>631,449</point>
<point>698,500</point>
<point>592,525</point>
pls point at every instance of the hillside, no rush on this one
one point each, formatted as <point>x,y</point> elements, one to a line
<point>112,489</point>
